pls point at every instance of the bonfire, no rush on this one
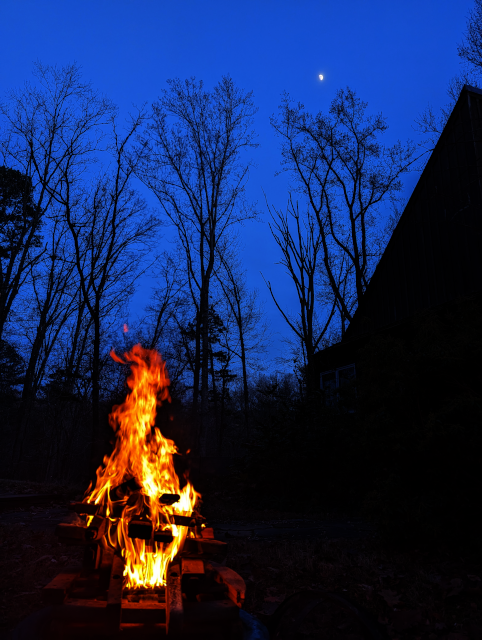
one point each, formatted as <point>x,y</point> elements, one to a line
<point>137,485</point>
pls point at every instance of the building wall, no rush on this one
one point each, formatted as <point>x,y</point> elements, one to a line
<point>435,253</point>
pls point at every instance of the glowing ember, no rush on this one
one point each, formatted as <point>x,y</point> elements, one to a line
<point>137,485</point>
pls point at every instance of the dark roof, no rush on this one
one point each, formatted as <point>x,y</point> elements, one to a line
<point>434,254</point>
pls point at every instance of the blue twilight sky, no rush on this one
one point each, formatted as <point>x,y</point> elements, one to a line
<point>398,56</point>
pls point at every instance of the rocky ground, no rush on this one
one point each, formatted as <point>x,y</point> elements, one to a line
<point>412,593</point>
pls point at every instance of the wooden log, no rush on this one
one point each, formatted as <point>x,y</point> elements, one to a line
<point>140,529</point>
<point>127,487</point>
<point>234,582</point>
<point>96,529</point>
<point>90,558</point>
<point>169,498</point>
<point>71,533</point>
<point>164,536</point>
<point>183,520</point>
<point>117,508</point>
<point>84,508</point>
<point>207,533</point>
<point>175,608</point>
<point>57,589</point>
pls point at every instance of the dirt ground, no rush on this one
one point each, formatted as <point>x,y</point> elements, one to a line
<point>413,593</point>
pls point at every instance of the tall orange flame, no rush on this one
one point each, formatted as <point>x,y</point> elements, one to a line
<point>140,471</point>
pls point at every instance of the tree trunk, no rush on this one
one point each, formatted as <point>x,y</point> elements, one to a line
<point>95,389</point>
<point>197,365</point>
<point>245,378</point>
<point>215,391</point>
<point>204,369</point>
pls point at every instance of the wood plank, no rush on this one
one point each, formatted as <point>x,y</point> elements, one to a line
<point>57,589</point>
<point>192,566</point>
<point>234,582</point>
<point>105,567</point>
<point>114,594</point>
<point>175,608</point>
<point>143,612</point>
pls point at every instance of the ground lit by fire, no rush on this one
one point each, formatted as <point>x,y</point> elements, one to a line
<point>137,484</point>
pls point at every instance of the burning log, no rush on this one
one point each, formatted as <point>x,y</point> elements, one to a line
<point>96,529</point>
<point>163,536</point>
<point>117,509</point>
<point>182,520</point>
<point>169,498</point>
<point>84,508</point>
<point>140,529</point>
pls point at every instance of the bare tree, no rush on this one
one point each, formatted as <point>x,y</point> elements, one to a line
<point>50,131</point>
<point>167,297</point>
<point>470,51</point>
<point>346,175</point>
<point>110,229</point>
<point>195,169</point>
<point>52,302</point>
<point>300,241</point>
<point>246,312</point>
<point>430,123</point>
<point>19,237</point>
